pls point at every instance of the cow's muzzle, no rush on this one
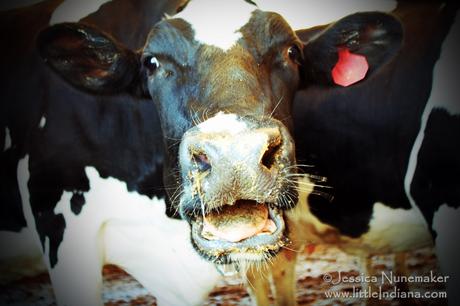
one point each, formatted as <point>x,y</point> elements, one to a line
<point>236,184</point>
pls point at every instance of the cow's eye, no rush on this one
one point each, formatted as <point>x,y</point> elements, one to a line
<point>151,63</point>
<point>295,54</point>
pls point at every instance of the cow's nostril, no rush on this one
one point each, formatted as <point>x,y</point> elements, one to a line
<point>201,161</point>
<point>269,157</point>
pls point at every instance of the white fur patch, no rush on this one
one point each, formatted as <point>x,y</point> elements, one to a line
<point>126,229</point>
<point>74,10</point>
<point>159,255</point>
<point>133,232</point>
<point>447,226</point>
<point>390,230</point>
<point>23,178</point>
<point>397,229</point>
<point>42,122</point>
<point>216,22</point>
<point>73,282</point>
<point>303,14</point>
<point>7,143</point>
<point>222,122</point>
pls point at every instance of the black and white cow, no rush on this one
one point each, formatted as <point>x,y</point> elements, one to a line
<point>235,88</point>
<point>390,148</point>
<point>90,168</point>
<point>224,101</point>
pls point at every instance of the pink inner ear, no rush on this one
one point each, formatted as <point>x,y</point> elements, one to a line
<point>350,68</point>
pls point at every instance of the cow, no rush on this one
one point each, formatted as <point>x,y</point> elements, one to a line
<point>201,159</point>
<point>389,149</point>
<point>66,152</point>
<point>230,169</point>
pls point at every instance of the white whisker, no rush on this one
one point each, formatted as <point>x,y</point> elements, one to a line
<point>276,106</point>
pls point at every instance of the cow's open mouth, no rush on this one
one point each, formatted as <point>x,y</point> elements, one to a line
<point>246,230</point>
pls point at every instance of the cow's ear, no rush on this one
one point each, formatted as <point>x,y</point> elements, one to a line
<point>350,49</point>
<point>89,59</point>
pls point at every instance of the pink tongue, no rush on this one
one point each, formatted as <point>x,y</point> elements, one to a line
<point>237,222</point>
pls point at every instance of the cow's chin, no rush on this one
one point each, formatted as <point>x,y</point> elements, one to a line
<point>245,231</point>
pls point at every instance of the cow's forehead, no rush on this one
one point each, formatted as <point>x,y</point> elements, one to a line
<point>180,39</point>
<point>216,22</point>
<point>217,28</point>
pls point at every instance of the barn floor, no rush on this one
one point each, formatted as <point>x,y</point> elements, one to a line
<point>122,290</point>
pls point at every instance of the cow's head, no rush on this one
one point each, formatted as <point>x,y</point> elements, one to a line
<point>225,111</point>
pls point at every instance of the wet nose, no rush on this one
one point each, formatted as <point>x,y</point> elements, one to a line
<point>253,150</point>
<point>229,157</point>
